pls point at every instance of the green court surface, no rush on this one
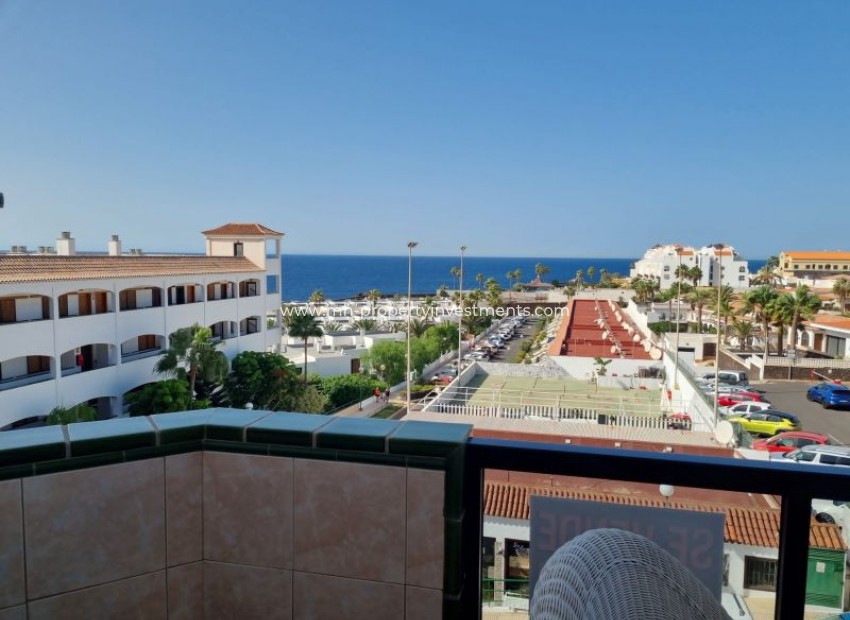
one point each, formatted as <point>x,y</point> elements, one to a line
<point>488,390</point>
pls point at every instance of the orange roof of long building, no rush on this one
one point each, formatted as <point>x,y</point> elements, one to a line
<point>743,526</point>
<point>816,255</point>
<point>51,267</point>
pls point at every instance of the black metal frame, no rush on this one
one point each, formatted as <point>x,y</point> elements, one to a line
<point>796,484</point>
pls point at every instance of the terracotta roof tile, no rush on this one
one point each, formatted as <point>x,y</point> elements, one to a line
<point>241,230</point>
<point>831,320</point>
<point>743,526</point>
<point>50,268</point>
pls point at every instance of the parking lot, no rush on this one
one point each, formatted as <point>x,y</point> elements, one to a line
<point>790,396</point>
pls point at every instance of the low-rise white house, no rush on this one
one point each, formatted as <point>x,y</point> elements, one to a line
<point>716,264</point>
<point>89,327</point>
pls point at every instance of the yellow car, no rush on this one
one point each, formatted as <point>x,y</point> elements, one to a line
<point>768,422</point>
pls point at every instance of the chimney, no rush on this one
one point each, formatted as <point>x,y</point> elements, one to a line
<point>19,249</point>
<point>66,245</point>
<point>115,246</point>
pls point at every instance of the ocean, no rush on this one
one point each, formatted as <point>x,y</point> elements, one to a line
<point>341,277</point>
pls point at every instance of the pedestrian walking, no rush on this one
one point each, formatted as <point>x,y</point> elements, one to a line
<point>387,394</point>
<point>377,394</point>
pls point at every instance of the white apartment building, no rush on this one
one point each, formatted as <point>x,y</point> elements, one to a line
<point>661,262</point>
<point>89,327</point>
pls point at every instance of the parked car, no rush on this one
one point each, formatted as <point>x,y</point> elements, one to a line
<point>732,377</point>
<point>745,407</point>
<point>727,400</point>
<point>829,395</point>
<point>787,442</point>
<point>817,455</point>
<point>768,422</point>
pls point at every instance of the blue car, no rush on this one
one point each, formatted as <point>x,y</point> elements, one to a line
<point>829,395</point>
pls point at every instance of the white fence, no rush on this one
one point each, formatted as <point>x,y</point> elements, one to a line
<point>569,414</point>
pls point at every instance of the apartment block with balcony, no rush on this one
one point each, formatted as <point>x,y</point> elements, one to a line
<point>716,264</point>
<point>88,327</point>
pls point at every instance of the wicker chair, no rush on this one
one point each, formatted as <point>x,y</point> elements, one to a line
<point>610,574</point>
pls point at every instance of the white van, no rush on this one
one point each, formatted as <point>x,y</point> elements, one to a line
<point>732,377</point>
<point>817,455</point>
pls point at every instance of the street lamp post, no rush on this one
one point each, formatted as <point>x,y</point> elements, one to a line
<point>678,318</point>
<point>410,246</point>
<point>719,248</point>
<point>460,314</point>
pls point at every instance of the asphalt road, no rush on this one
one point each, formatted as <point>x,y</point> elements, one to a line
<point>790,396</point>
<point>509,353</point>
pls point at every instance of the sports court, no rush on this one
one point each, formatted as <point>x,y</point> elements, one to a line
<point>562,393</point>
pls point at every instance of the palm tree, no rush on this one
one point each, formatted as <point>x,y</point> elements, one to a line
<point>781,315</point>
<point>743,330</point>
<point>455,271</point>
<point>494,296</point>
<point>332,326</point>
<point>683,272</point>
<point>193,352</point>
<point>841,290</point>
<point>723,313</point>
<point>668,295</point>
<point>695,275</point>
<point>803,305</point>
<point>603,276</point>
<point>517,275</point>
<point>755,302</point>
<point>640,286</point>
<point>442,291</point>
<point>305,326</point>
<point>766,277</point>
<point>591,271</point>
<point>699,298</point>
<point>418,327</point>
<point>541,270</point>
<point>317,296</point>
<point>367,325</point>
<point>479,277</point>
<point>474,297</point>
<point>373,296</point>
<point>579,278</point>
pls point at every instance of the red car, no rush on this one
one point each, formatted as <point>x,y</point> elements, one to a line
<point>727,400</point>
<point>788,441</point>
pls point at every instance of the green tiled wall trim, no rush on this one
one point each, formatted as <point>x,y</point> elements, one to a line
<point>34,451</point>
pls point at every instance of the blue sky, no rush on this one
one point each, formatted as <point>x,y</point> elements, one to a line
<point>547,128</point>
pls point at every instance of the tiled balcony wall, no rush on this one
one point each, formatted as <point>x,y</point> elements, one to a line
<point>226,514</point>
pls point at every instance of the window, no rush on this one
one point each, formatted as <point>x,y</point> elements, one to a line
<point>741,278</point>
<point>238,249</point>
<point>742,269</point>
<point>760,574</point>
<point>725,569</point>
<point>666,267</point>
<point>271,284</point>
<point>147,342</point>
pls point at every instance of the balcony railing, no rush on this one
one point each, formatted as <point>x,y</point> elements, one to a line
<point>796,486</point>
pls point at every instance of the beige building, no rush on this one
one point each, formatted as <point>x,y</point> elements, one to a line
<point>793,265</point>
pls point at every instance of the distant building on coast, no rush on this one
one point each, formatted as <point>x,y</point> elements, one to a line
<point>89,327</point>
<point>716,265</point>
<point>813,265</point>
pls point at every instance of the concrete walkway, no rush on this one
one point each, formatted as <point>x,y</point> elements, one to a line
<point>370,406</point>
